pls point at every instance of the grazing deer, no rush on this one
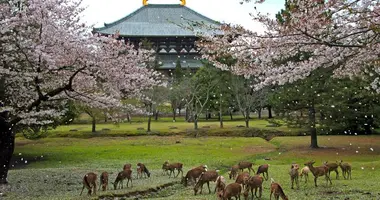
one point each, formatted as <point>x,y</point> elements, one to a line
<point>121,176</point>
<point>142,171</point>
<point>277,191</point>
<point>346,169</point>
<point>193,175</point>
<point>246,165</point>
<point>103,181</point>
<point>263,169</point>
<point>232,190</point>
<point>305,172</point>
<point>89,182</point>
<point>319,171</point>
<point>233,171</point>
<point>127,166</point>
<point>172,167</point>
<point>220,184</point>
<point>242,179</point>
<point>332,167</point>
<point>294,175</point>
<point>206,177</point>
<point>254,182</point>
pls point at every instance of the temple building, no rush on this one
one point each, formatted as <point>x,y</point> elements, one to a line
<point>171,29</point>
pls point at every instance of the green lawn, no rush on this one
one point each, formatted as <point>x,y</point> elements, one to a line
<point>65,160</point>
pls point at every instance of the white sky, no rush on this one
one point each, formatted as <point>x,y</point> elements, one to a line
<point>99,12</point>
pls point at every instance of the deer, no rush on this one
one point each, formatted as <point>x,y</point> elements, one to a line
<point>246,165</point>
<point>254,182</point>
<point>142,170</point>
<point>294,174</point>
<point>127,166</point>
<point>121,176</point>
<point>346,169</point>
<point>193,175</point>
<point>220,184</point>
<point>319,171</point>
<point>103,181</point>
<point>277,191</point>
<point>172,167</point>
<point>305,172</point>
<point>242,178</point>
<point>263,169</point>
<point>233,171</point>
<point>89,182</point>
<point>232,190</point>
<point>206,177</point>
<point>332,167</point>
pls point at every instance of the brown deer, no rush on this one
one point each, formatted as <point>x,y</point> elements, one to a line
<point>220,184</point>
<point>127,166</point>
<point>319,171</point>
<point>246,165</point>
<point>294,175</point>
<point>232,190</point>
<point>121,176</point>
<point>206,177</point>
<point>346,169</point>
<point>192,175</point>
<point>277,191</point>
<point>305,172</point>
<point>242,178</point>
<point>233,171</point>
<point>103,181</point>
<point>254,182</point>
<point>142,171</point>
<point>332,167</point>
<point>263,169</point>
<point>172,167</point>
<point>89,182</point>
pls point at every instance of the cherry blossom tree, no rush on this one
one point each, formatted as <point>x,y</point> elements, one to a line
<point>305,36</point>
<point>48,57</point>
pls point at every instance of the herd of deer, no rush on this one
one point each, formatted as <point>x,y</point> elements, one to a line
<point>244,181</point>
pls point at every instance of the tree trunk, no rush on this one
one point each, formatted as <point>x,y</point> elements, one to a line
<point>231,115</point>
<point>93,124</point>
<point>149,117</point>
<point>247,118</point>
<point>129,118</point>
<point>174,113</point>
<point>312,128</point>
<point>7,145</point>
<point>105,118</point>
<point>196,122</point>
<point>179,112</point>
<point>259,112</point>
<point>221,119</point>
<point>209,115</point>
<point>270,112</point>
<point>206,115</point>
<point>187,114</point>
<point>156,115</point>
<point>220,113</point>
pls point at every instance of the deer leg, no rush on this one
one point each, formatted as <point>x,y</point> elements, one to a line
<point>81,191</point>
<point>178,172</point>
<point>337,173</point>
<point>271,192</point>
<point>95,187</point>
<point>201,188</point>
<point>315,181</point>
<point>208,185</point>
<point>131,182</point>
<point>260,191</point>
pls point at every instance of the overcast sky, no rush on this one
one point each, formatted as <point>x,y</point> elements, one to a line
<point>99,12</point>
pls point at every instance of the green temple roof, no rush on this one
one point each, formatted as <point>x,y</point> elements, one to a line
<point>157,20</point>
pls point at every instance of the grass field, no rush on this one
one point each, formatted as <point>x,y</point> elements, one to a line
<point>164,126</point>
<point>62,162</point>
